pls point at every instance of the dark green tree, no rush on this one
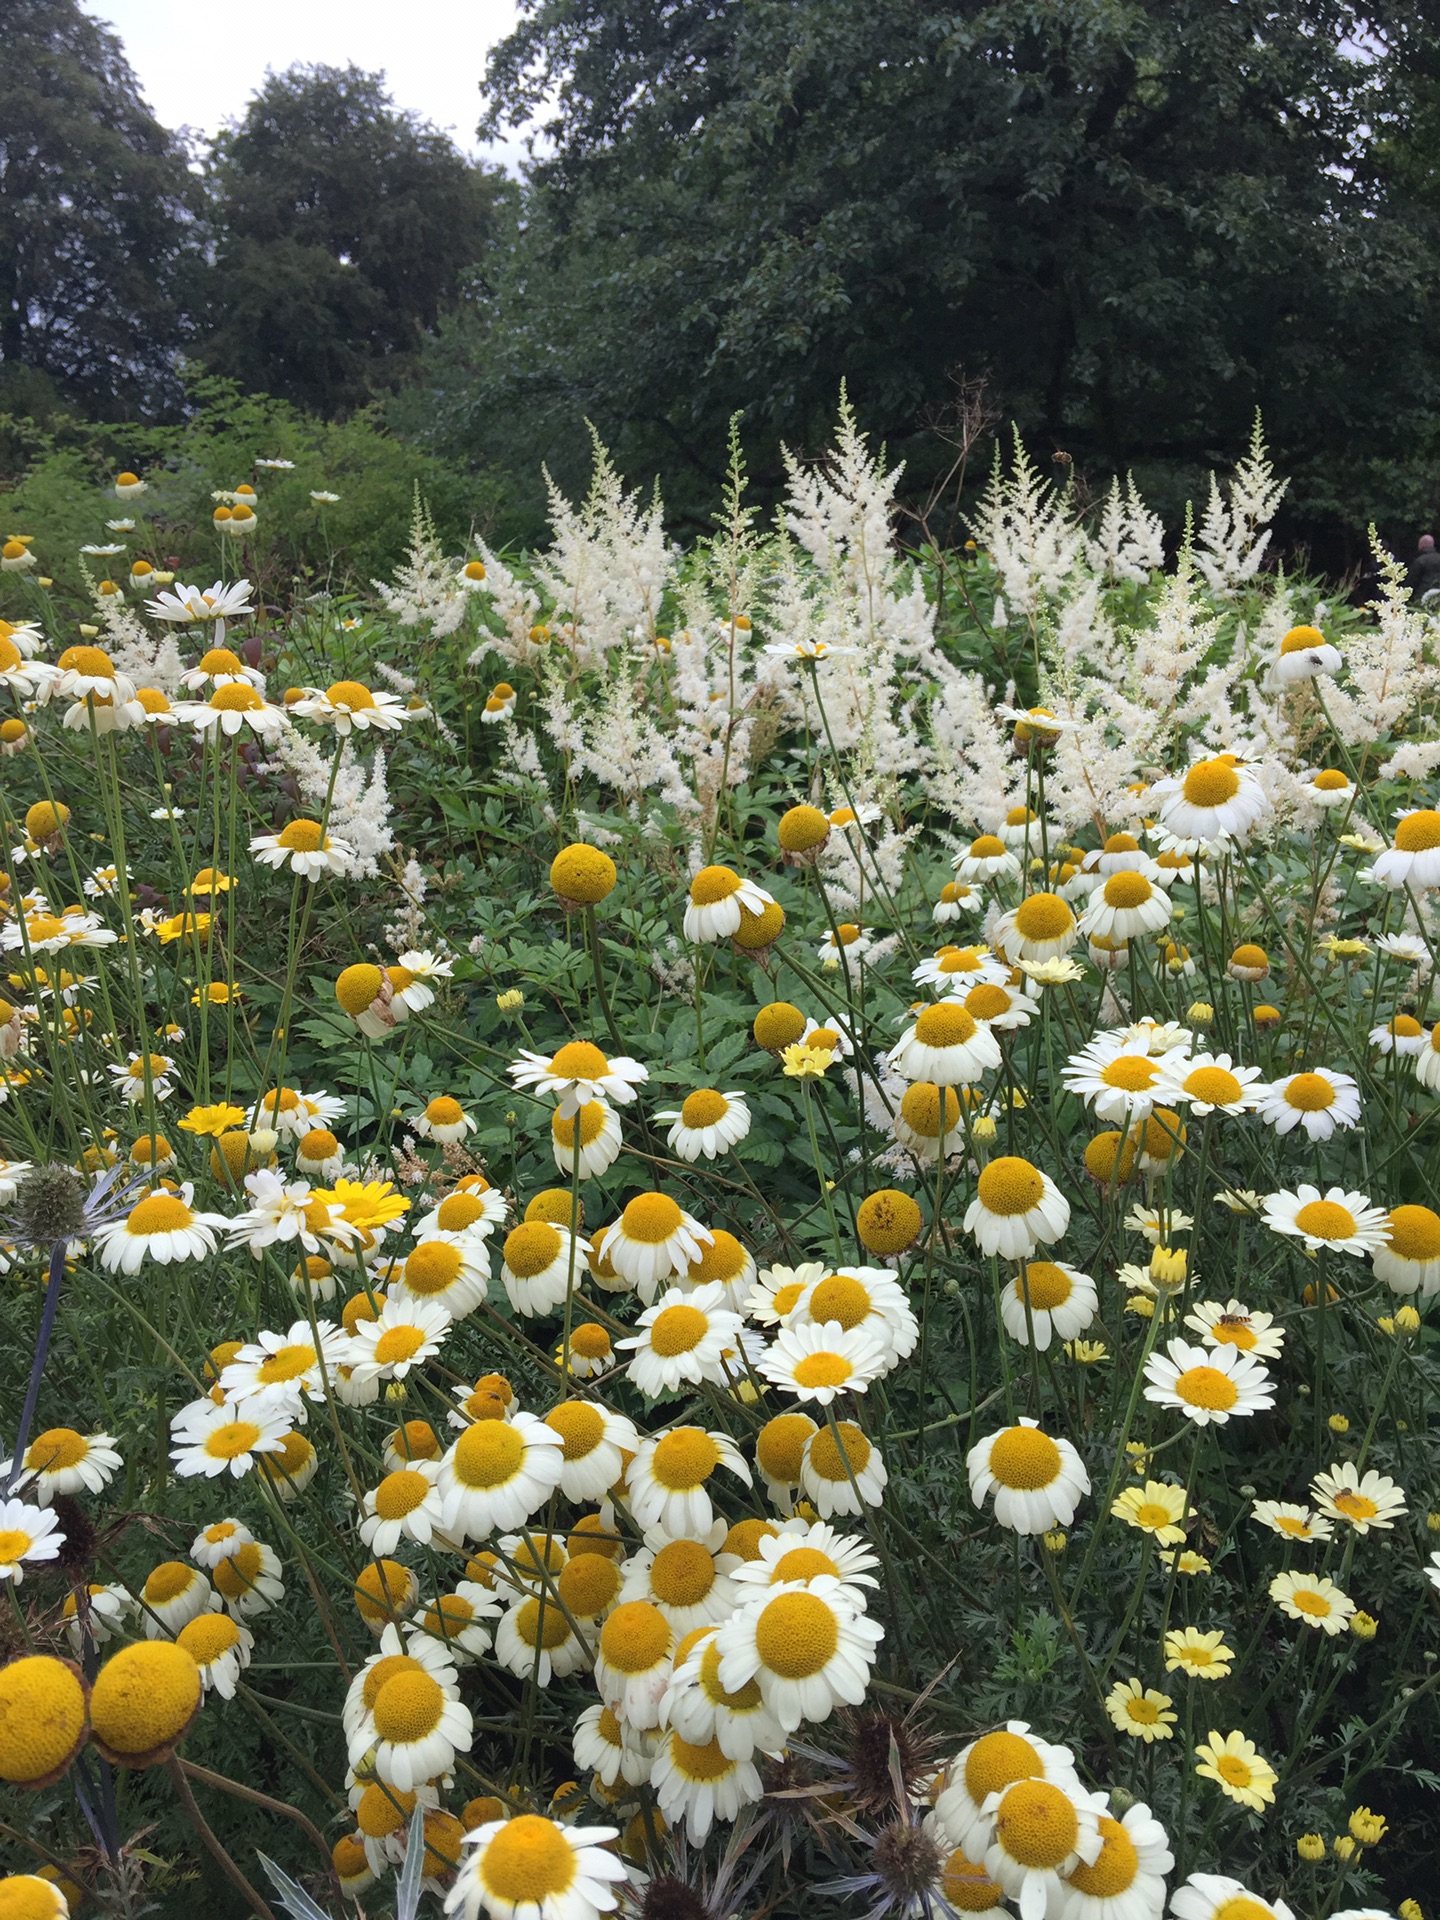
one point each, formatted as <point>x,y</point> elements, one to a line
<point>98,235</point>
<point>342,225</point>
<point>1141,218</point>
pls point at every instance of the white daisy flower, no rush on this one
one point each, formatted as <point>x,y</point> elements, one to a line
<point>1210,1083</point>
<point>405,1506</point>
<point>986,858</point>
<point>956,970</point>
<point>228,1439</point>
<point>282,1211</point>
<point>221,1649</point>
<point>282,1366</point>
<point>653,1240</point>
<point>162,1227</point>
<point>451,1269</point>
<point>305,848</point>
<point>1118,1077</point>
<point>777,1292</point>
<point>218,1541</point>
<point>946,1046</point>
<point>1401,1034</point>
<point>1427,1061</point>
<point>927,1121</point>
<point>715,898</point>
<point>697,1784</point>
<point>473,1210</point>
<point>579,1073</point>
<point>1126,1880</point>
<point>633,1662</point>
<point>172,1596</point>
<point>249,1580</point>
<point>1044,1830</point>
<point>680,1341</point>
<point>817,1362</point>
<point>108,1612</point>
<point>1414,859</point>
<point>1408,1258</point>
<point>707,1124</point>
<point>1216,800</point>
<point>61,1461</point>
<point>1208,1385</point>
<point>1291,1522</point>
<point>698,1707</point>
<point>1016,1206</point>
<point>404,1334</point>
<point>531,1868</point>
<point>130,1079</point>
<point>350,706</point>
<point>540,1264</point>
<point>455,1622</point>
<point>1125,905</point>
<point>682,1578</point>
<point>1041,928</point>
<point>600,1138</point>
<point>29,1536</point>
<point>1234,1325</point>
<point>1318,1100</point>
<point>232,709</point>
<point>799,1551</point>
<point>444,1120</point>
<point>1037,1482</point>
<point>668,1485</point>
<point>1407,948</point>
<point>1338,1221</point>
<point>985,1768</point>
<point>806,1646</point>
<point>1050,1299</point>
<point>594,1443</point>
<point>1304,653</point>
<point>1209,1896</point>
<point>497,1473</point>
<point>841,1477</point>
<point>419,1729</point>
<point>535,1638</point>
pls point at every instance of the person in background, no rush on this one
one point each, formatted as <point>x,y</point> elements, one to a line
<point>1423,577</point>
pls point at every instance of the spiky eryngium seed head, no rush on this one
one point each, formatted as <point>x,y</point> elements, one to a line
<point>906,1859</point>
<point>50,1205</point>
<point>669,1898</point>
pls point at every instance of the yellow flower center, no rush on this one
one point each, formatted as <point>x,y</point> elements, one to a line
<point>286,1363</point>
<point>944,1026</point>
<point>93,662</point>
<point>1010,1186</point>
<point>1025,1459</point>
<point>682,1573</point>
<point>1232,1768</point>
<point>458,1211</point>
<point>779,1446</point>
<point>588,1584</point>
<point>959,960</point>
<point>159,1213</point>
<point>1418,832</point>
<point>636,1637</point>
<point>651,1218</point>
<point>1326,1220</point>
<point>397,1344</point>
<point>1240,1906</point>
<point>529,1861</point>
<point>967,1886</point>
<point>385,1669</point>
<point>238,697</point>
<point>920,1109</point>
<point>784,1298</point>
<point>1210,783</point>
<point>488,1454</point>
<point>229,1441</point>
<point>822,1370</point>
<point>796,1635</point>
<point>432,1267</point>
<point>169,1580</point>
<point>400,1493</point>
<point>209,1637</point>
<point>349,693</point>
<point>1207,1387</point>
<point>1116,1867</point>
<point>303,836</point>
<point>1130,1073</point>
<point>997,1761</point>
<point>684,1458</point>
<point>1044,1285</point>
<point>408,1707</point>
<point>238,1573</point>
<point>1127,889</point>
<point>678,1330</point>
<point>1413,1233</point>
<point>840,1298</point>
<point>1309,1092</point>
<point>1355,1506</point>
<point>541,1625</point>
<point>1142,1711</point>
<point>987,1002</point>
<point>1152,1516</point>
<point>988,846</point>
<point>1310,1600</point>
<point>56,1449</point>
<point>704,1108</point>
<point>144,1696</point>
<point>580,1426</point>
<point>42,1719</point>
<point>1044,916</point>
<point>1036,1824</point>
<point>531,1248</point>
<point>713,884</point>
<point>832,1461</point>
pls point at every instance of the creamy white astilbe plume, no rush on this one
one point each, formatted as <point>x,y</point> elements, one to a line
<point>359,802</point>
<point>973,775</point>
<point>522,768</point>
<point>1028,528</point>
<point>608,563</point>
<point>408,926</point>
<point>624,748</point>
<point>1129,543</point>
<point>1388,678</point>
<point>1236,528</point>
<point>863,873</point>
<point>517,607</point>
<point>426,587</point>
<point>149,660</point>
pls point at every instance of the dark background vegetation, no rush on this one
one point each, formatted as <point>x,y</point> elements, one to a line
<point>1134,220</point>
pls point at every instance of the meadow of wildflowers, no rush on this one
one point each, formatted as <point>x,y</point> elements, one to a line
<point>692,1230</point>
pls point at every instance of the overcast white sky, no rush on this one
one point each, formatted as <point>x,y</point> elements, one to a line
<point>198,63</point>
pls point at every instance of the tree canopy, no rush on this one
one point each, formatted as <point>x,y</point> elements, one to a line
<point>98,233</point>
<point>1141,218</point>
<point>341,226</point>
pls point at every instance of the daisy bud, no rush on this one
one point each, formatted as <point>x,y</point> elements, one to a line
<point>1311,1847</point>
